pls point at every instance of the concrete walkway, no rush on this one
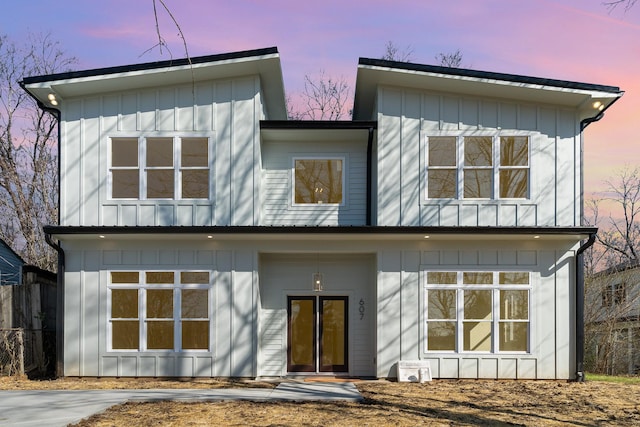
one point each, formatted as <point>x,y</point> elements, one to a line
<point>38,408</point>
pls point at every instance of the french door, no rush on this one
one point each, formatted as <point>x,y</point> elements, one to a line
<point>317,334</point>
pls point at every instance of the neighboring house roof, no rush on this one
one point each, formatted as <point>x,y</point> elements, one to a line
<point>262,62</point>
<point>618,268</point>
<point>590,99</point>
<point>10,264</point>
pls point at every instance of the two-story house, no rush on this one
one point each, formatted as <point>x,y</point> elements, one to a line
<point>612,319</point>
<point>203,234</point>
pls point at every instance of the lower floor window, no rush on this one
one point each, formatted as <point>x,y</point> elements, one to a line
<point>477,311</point>
<point>159,310</point>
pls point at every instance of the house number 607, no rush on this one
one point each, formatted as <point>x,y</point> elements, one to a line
<point>361,309</point>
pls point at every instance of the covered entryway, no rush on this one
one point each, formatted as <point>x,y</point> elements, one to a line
<point>317,332</point>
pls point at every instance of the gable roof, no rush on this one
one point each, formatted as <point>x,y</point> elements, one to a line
<point>375,72</point>
<point>263,62</point>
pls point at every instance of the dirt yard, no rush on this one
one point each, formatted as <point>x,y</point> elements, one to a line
<point>438,403</point>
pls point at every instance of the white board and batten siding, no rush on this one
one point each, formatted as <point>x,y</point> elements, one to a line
<point>233,330</point>
<point>226,111</point>
<point>407,117</point>
<point>277,188</point>
<point>401,301</point>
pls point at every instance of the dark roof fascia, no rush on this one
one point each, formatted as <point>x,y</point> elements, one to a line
<point>619,268</point>
<point>149,65</point>
<point>260,230</point>
<point>318,124</point>
<point>28,268</point>
<point>463,72</point>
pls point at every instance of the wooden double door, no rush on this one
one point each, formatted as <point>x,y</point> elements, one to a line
<point>317,333</point>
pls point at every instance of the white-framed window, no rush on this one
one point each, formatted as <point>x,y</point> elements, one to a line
<point>160,167</point>
<point>478,167</point>
<point>470,311</point>
<point>318,180</point>
<point>159,310</point>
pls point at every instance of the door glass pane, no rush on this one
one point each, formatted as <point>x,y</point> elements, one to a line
<point>333,332</point>
<point>302,332</point>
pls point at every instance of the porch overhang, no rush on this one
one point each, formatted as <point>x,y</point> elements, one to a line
<point>325,233</point>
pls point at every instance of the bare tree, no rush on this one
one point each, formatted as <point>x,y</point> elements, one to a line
<point>28,156</point>
<point>620,232</point>
<point>453,59</point>
<point>394,53</point>
<point>612,277</point>
<point>613,4</point>
<point>323,98</point>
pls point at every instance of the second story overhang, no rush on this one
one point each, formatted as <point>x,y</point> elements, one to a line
<point>322,233</point>
<point>589,100</point>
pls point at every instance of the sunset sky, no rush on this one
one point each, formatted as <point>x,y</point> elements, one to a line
<point>577,40</point>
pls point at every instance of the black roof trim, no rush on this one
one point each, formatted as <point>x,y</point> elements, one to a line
<point>248,229</point>
<point>318,124</point>
<point>487,75</point>
<point>150,65</point>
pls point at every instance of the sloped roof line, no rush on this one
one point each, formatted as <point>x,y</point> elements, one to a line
<point>477,74</point>
<point>150,65</point>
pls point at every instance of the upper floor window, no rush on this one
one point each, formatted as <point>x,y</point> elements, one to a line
<point>160,168</point>
<point>477,167</point>
<point>318,181</point>
<point>614,295</point>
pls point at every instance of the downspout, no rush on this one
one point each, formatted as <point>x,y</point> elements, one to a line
<point>369,220</point>
<point>47,237</point>
<point>59,305</point>
<point>580,307</point>
<point>580,341</point>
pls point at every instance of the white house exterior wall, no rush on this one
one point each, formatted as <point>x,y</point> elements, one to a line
<point>406,117</point>
<point>277,194</point>
<point>250,283</point>
<point>226,111</point>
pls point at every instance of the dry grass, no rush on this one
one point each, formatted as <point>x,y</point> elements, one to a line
<point>439,403</point>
